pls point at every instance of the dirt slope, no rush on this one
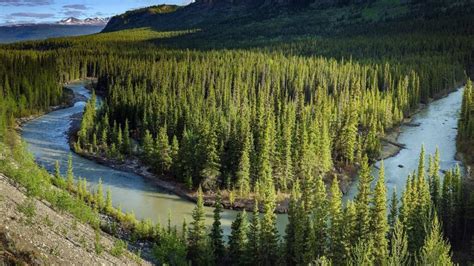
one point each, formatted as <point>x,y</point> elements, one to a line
<point>47,237</point>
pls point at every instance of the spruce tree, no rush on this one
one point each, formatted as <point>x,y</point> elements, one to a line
<point>127,143</point>
<point>119,140</point>
<point>362,202</point>
<point>243,172</point>
<point>99,196</point>
<point>163,152</point>
<point>269,234</point>
<point>393,212</point>
<point>253,250</point>
<point>349,227</point>
<point>379,224</point>
<point>319,217</point>
<point>58,179</point>
<point>238,239</point>
<point>435,184</point>
<point>148,147</point>
<point>108,201</point>
<point>69,174</point>
<point>296,231</point>
<point>217,244</point>
<point>197,238</point>
<point>399,254</point>
<point>210,160</point>
<point>335,231</point>
<point>436,250</point>
<point>174,154</point>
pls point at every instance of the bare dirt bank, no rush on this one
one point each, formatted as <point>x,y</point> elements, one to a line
<point>47,237</point>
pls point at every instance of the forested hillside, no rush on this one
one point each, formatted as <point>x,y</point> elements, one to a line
<point>281,105</point>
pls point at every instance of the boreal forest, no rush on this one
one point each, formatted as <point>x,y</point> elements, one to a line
<point>267,108</point>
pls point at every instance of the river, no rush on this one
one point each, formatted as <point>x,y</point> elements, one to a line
<point>438,124</point>
<point>47,139</point>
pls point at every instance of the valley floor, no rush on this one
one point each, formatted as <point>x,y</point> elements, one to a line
<point>31,232</point>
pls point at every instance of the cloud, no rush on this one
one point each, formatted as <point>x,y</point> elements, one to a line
<point>25,2</point>
<point>75,6</point>
<point>31,15</point>
<point>73,13</point>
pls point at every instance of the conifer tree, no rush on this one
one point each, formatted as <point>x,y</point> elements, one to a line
<point>349,227</point>
<point>335,232</point>
<point>163,152</point>
<point>108,201</point>
<point>435,184</point>
<point>99,196</point>
<point>210,170</point>
<point>238,238</point>
<point>269,234</point>
<point>217,244</point>
<point>197,238</point>
<point>243,173</point>
<point>119,140</point>
<point>310,241</point>
<point>421,205</point>
<point>393,212</point>
<point>174,154</point>
<point>398,246</point>
<point>104,139</point>
<point>379,223</point>
<point>362,202</point>
<point>320,215</point>
<point>57,170</point>
<point>148,147</point>
<point>436,250</point>
<point>362,253</point>
<point>253,251</point>
<point>325,148</point>
<point>296,234</point>
<point>127,144</point>
<point>69,175</point>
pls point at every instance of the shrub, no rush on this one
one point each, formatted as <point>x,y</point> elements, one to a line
<point>118,248</point>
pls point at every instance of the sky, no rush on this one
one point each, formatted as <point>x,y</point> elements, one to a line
<point>46,11</point>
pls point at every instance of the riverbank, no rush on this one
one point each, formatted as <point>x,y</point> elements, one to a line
<point>69,99</point>
<point>33,233</point>
<point>390,145</point>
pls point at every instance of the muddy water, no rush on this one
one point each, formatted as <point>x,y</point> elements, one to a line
<point>47,140</point>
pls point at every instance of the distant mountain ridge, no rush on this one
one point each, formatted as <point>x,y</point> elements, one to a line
<point>213,12</point>
<point>87,21</point>
<point>25,32</point>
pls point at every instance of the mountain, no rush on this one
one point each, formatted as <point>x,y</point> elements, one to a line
<point>16,33</point>
<point>216,12</point>
<point>66,27</point>
<point>87,21</point>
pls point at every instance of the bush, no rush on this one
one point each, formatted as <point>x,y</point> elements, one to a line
<point>28,208</point>
<point>97,245</point>
<point>118,248</point>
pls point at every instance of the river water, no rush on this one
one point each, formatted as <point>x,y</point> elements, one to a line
<point>47,140</point>
<point>438,128</point>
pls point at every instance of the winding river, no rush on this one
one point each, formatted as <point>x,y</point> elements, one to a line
<point>47,140</point>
